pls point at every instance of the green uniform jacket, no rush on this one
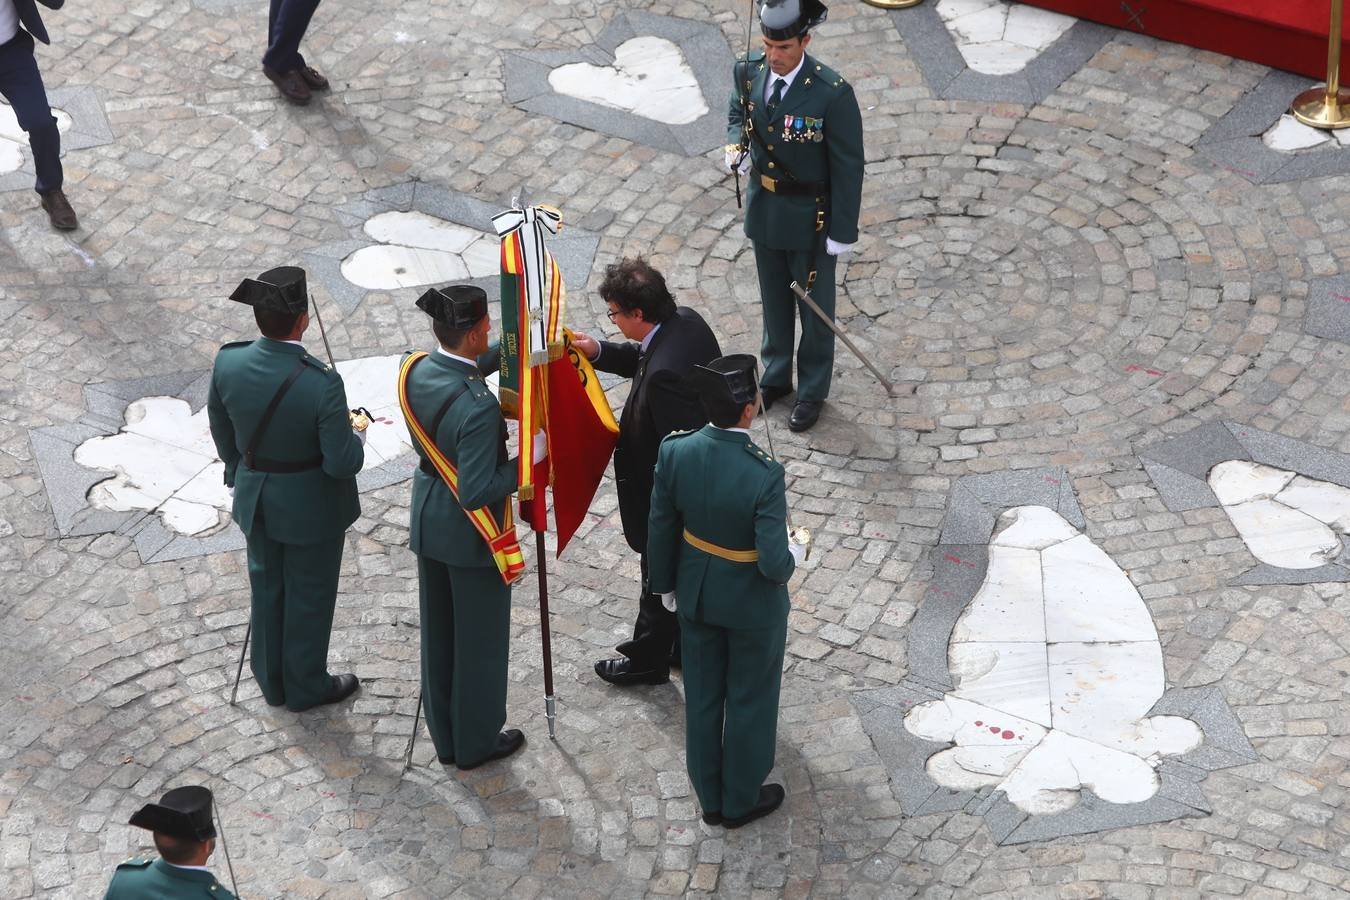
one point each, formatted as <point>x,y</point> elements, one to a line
<point>820,93</point>
<point>722,488</point>
<point>294,508</point>
<point>473,436</point>
<point>143,879</point>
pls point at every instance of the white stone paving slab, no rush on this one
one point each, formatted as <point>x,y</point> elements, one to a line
<point>1088,597</point>
<point>1324,501</point>
<point>164,460</point>
<point>1010,603</point>
<point>650,78</point>
<point>1284,537</point>
<point>1000,38</point>
<point>418,249</point>
<point>1239,480</point>
<point>1080,689</point>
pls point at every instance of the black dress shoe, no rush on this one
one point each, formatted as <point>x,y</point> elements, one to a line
<point>508,742</point>
<point>342,687</point>
<point>622,672</point>
<point>59,210</point>
<point>712,818</point>
<point>804,414</point>
<point>446,760</point>
<point>771,393</point>
<point>314,78</point>
<point>291,85</point>
<point>770,798</point>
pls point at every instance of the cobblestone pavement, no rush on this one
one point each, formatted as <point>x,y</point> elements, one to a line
<point>1063,284</point>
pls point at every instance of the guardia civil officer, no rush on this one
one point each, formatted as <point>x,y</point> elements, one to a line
<point>280,423</point>
<point>794,124</point>
<point>718,540</point>
<point>185,838</point>
<point>461,531</point>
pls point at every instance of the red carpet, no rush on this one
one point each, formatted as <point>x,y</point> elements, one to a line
<point>1284,34</point>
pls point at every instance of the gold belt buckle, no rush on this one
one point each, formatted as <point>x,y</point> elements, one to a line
<point>820,220</point>
<point>770,184</point>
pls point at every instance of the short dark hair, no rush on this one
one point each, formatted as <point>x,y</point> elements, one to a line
<point>448,336</point>
<point>274,324</point>
<point>632,284</point>
<point>176,850</point>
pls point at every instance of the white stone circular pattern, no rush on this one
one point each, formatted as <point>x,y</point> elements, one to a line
<point>1000,38</point>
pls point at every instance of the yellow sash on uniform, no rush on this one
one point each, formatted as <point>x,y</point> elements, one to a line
<point>501,540</point>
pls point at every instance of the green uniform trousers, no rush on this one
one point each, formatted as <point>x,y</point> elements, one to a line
<point>815,355</point>
<point>731,681</point>
<point>466,632</point>
<point>294,593</point>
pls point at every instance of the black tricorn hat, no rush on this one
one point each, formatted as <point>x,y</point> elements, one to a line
<point>780,20</point>
<point>727,383</point>
<point>277,290</point>
<point>183,812</point>
<point>460,306</point>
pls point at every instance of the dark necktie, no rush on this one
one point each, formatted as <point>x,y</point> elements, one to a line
<point>776,95</point>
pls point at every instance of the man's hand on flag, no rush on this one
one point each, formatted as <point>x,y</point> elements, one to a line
<point>540,446</point>
<point>586,344</point>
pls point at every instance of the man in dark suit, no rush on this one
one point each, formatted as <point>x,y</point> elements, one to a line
<point>279,420</point>
<point>287,21</point>
<point>21,85</point>
<point>665,343</point>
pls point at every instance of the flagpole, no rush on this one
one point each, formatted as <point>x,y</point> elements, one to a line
<point>541,559</point>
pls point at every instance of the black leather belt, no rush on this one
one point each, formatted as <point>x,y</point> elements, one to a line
<point>793,188</point>
<point>285,467</point>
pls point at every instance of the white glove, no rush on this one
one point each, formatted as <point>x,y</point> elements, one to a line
<point>729,157</point>
<point>230,488</point>
<point>540,446</point>
<point>361,435</point>
<point>668,601</point>
<point>834,248</point>
<point>798,552</point>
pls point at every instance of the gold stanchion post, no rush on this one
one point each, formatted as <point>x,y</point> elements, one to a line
<point>1327,107</point>
<point>893,4</point>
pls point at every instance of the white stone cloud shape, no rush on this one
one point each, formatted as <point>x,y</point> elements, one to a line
<point>649,78</point>
<point>417,249</point>
<point>1056,663</point>
<point>14,140</point>
<point>1285,519</point>
<point>165,461</point>
<point>1000,38</point>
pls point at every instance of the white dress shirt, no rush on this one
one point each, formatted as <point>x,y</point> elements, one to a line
<point>788,79</point>
<point>9,21</point>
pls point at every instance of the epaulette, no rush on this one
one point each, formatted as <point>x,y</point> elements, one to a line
<point>828,75</point>
<point>232,344</point>
<point>478,389</point>
<point>683,432</point>
<point>759,454</point>
<point>136,862</point>
<point>316,363</point>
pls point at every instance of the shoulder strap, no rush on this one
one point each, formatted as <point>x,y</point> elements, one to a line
<point>436,420</point>
<point>500,537</point>
<point>271,410</point>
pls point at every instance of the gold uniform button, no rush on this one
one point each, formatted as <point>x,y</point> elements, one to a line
<point>770,129</point>
<point>771,148</point>
<point>771,165</point>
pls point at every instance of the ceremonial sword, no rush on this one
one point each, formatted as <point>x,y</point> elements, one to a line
<point>839,332</point>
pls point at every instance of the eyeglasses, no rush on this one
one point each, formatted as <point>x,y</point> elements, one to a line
<point>615,313</point>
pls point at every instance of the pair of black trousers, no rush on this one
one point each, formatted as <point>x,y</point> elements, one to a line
<point>656,634</point>
<point>287,22</point>
<point>21,85</point>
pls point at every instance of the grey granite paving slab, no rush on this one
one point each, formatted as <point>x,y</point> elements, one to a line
<point>1296,456</point>
<point>944,68</point>
<point>1179,490</point>
<point>573,248</point>
<point>705,51</point>
<point>1328,314</point>
<point>1197,451</point>
<point>1234,142</point>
